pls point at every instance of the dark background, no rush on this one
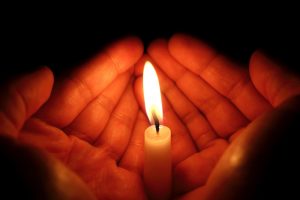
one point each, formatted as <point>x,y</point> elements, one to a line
<point>44,38</point>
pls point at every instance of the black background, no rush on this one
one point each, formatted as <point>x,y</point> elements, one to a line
<point>45,38</point>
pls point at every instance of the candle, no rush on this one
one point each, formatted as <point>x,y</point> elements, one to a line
<point>157,140</point>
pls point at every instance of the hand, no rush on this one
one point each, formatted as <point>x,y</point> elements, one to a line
<point>86,121</point>
<point>211,104</point>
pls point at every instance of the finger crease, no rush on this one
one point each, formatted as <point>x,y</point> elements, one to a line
<point>106,103</point>
<point>68,155</point>
<point>167,90</point>
<point>123,118</point>
<point>208,64</point>
<point>181,77</point>
<point>116,65</point>
<point>84,86</point>
<point>198,138</point>
<point>189,116</point>
<point>274,95</point>
<point>25,106</point>
<point>234,91</point>
<point>210,104</point>
<point>110,151</point>
<point>80,135</point>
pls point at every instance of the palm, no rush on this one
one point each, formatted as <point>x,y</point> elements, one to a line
<point>207,101</point>
<point>95,164</point>
<point>88,120</point>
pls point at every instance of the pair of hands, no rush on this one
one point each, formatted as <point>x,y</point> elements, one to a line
<point>93,120</point>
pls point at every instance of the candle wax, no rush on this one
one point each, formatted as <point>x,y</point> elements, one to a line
<point>157,162</point>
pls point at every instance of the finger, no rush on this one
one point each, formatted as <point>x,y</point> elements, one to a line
<point>236,134</point>
<point>182,144</point>
<point>195,170</point>
<point>91,121</point>
<point>118,131</point>
<point>82,86</point>
<point>225,76</point>
<point>93,165</point>
<point>224,117</point>
<point>244,165</point>
<point>42,135</point>
<point>198,193</point>
<point>200,129</point>
<point>23,98</point>
<point>272,81</point>
<point>133,158</point>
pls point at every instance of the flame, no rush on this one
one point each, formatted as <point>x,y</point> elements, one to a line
<point>152,94</point>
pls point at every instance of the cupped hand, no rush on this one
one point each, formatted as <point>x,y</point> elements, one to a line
<point>92,123</point>
<point>86,121</point>
<point>212,106</point>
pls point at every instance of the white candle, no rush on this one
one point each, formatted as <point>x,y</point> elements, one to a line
<point>157,163</point>
<point>157,140</point>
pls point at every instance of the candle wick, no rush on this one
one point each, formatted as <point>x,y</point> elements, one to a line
<point>157,126</point>
<point>156,122</point>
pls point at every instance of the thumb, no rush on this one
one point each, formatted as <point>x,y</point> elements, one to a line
<point>22,98</point>
<point>261,161</point>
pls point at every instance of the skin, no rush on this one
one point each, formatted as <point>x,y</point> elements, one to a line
<point>63,121</point>
<point>95,126</point>
<point>223,106</point>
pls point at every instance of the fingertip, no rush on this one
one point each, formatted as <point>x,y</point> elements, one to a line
<point>177,39</point>
<point>179,36</point>
<point>47,75</point>
<point>260,68</point>
<point>126,52</point>
<point>261,60</point>
<point>45,79</point>
<point>44,72</point>
<point>27,94</point>
<point>190,51</point>
<point>137,45</point>
<point>185,40</point>
<point>255,60</point>
<point>273,81</point>
<point>139,66</point>
<point>133,42</point>
<point>41,79</point>
<point>256,53</point>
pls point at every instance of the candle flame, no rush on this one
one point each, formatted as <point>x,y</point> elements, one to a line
<point>152,94</point>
